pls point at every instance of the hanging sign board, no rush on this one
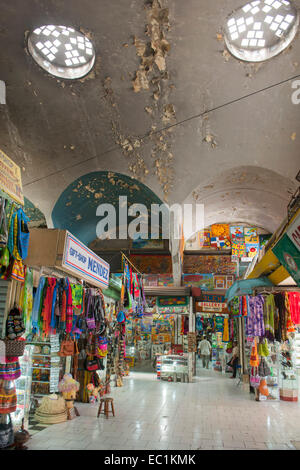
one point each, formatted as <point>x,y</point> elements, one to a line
<point>289,256</point>
<point>84,263</point>
<point>10,178</point>
<point>216,298</point>
<point>213,307</point>
<point>293,232</point>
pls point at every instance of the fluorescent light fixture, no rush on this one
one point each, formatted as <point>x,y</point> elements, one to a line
<point>62,51</point>
<point>260,29</point>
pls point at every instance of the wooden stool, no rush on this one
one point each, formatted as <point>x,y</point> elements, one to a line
<point>106,410</point>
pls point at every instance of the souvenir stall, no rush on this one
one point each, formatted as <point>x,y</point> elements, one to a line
<point>62,311</point>
<point>271,317</point>
<point>220,330</point>
<point>130,334</point>
<point>170,337</point>
<point>14,280</point>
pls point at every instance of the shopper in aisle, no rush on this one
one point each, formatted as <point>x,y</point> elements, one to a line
<point>204,350</point>
<point>234,362</point>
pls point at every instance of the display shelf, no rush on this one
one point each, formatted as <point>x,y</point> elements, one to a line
<point>49,367</point>
<point>23,389</point>
<point>173,367</point>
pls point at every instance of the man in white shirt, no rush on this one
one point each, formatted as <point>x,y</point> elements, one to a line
<point>204,349</point>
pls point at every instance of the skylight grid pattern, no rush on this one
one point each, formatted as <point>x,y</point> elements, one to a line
<point>259,25</point>
<point>62,47</point>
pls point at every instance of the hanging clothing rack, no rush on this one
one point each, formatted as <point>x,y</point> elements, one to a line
<point>275,289</point>
<point>128,261</point>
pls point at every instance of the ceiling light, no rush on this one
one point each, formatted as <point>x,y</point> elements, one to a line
<point>61,46</point>
<point>261,29</point>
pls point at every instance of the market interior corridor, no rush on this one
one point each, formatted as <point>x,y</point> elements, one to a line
<point>211,413</point>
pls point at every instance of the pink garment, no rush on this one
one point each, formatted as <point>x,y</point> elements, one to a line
<point>294,301</point>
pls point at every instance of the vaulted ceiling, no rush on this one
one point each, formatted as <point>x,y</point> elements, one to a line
<point>240,157</point>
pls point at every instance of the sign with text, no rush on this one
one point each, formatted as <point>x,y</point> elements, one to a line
<point>216,298</point>
<point>212,307</point>
<point>289,257</point>
<point>10,178</point>
<point>84,263</point>
<point>293,232</point>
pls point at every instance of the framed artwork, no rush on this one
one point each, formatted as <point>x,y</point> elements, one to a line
<point>204,281</point>
<point>220,282</point>
<point>236,232</point>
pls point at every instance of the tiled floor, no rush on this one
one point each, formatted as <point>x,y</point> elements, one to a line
<point>212,413</point>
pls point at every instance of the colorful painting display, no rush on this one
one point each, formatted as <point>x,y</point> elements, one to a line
<point>250,232</point>
<point>239,248</point>
<point>222,232</point>
<point>229,281</point>
<point>208,264</point>
<point>204,238</point>
<point>203,281</point>
<point>152,264</point>
<point>217,242</point>
<point>172,301</point>
<point>220,282</point>
<point>164,280</point>
<point>237,232</point>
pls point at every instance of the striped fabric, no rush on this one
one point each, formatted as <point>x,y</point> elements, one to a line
<point>8,397</point>
<point>10,371</point>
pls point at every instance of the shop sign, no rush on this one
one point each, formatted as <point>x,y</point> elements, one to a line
<point>289,257</point>
<point>213,298</point>
<point>213,307</point>
<point>84,263</point>
<point>293,232</point>
<point>10,178</point>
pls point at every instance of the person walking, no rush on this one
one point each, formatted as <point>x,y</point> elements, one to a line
<point>204,349</point>
<point>235,359</point>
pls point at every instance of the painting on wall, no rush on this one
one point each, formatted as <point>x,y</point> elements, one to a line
<point>204,238</point>
<point>204,281</point>
<point>239,249</point>
<point>207,264</point>
<point>220,282</point>
<point>164,280</point>
<point>250,232</point>
<point>152,264</point>
<point>237,232</point>
<point>229,281</point>
<point>221,231</point>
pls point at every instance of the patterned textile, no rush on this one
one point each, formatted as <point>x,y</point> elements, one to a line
<point>290,327</point>
<point>8,397</point>
<point>294,301</point>
<point>269,317</point>
<point>255,320</point>
<point>281,333</point>
<point>10,371</point>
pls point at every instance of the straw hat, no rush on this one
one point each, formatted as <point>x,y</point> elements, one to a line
<point>52,410</point>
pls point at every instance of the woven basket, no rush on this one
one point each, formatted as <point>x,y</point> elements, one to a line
<point>14,347</point>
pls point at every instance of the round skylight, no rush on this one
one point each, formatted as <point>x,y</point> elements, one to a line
<point>261,29</point>
<point>62,51</point>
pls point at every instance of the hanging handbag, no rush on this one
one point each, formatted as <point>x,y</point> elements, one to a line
<point>14,348</point>
<point>91,364</point>
<point>90,319</point>
<point>254,378</point>
<point>66,347</point>
<point>6,431</point>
